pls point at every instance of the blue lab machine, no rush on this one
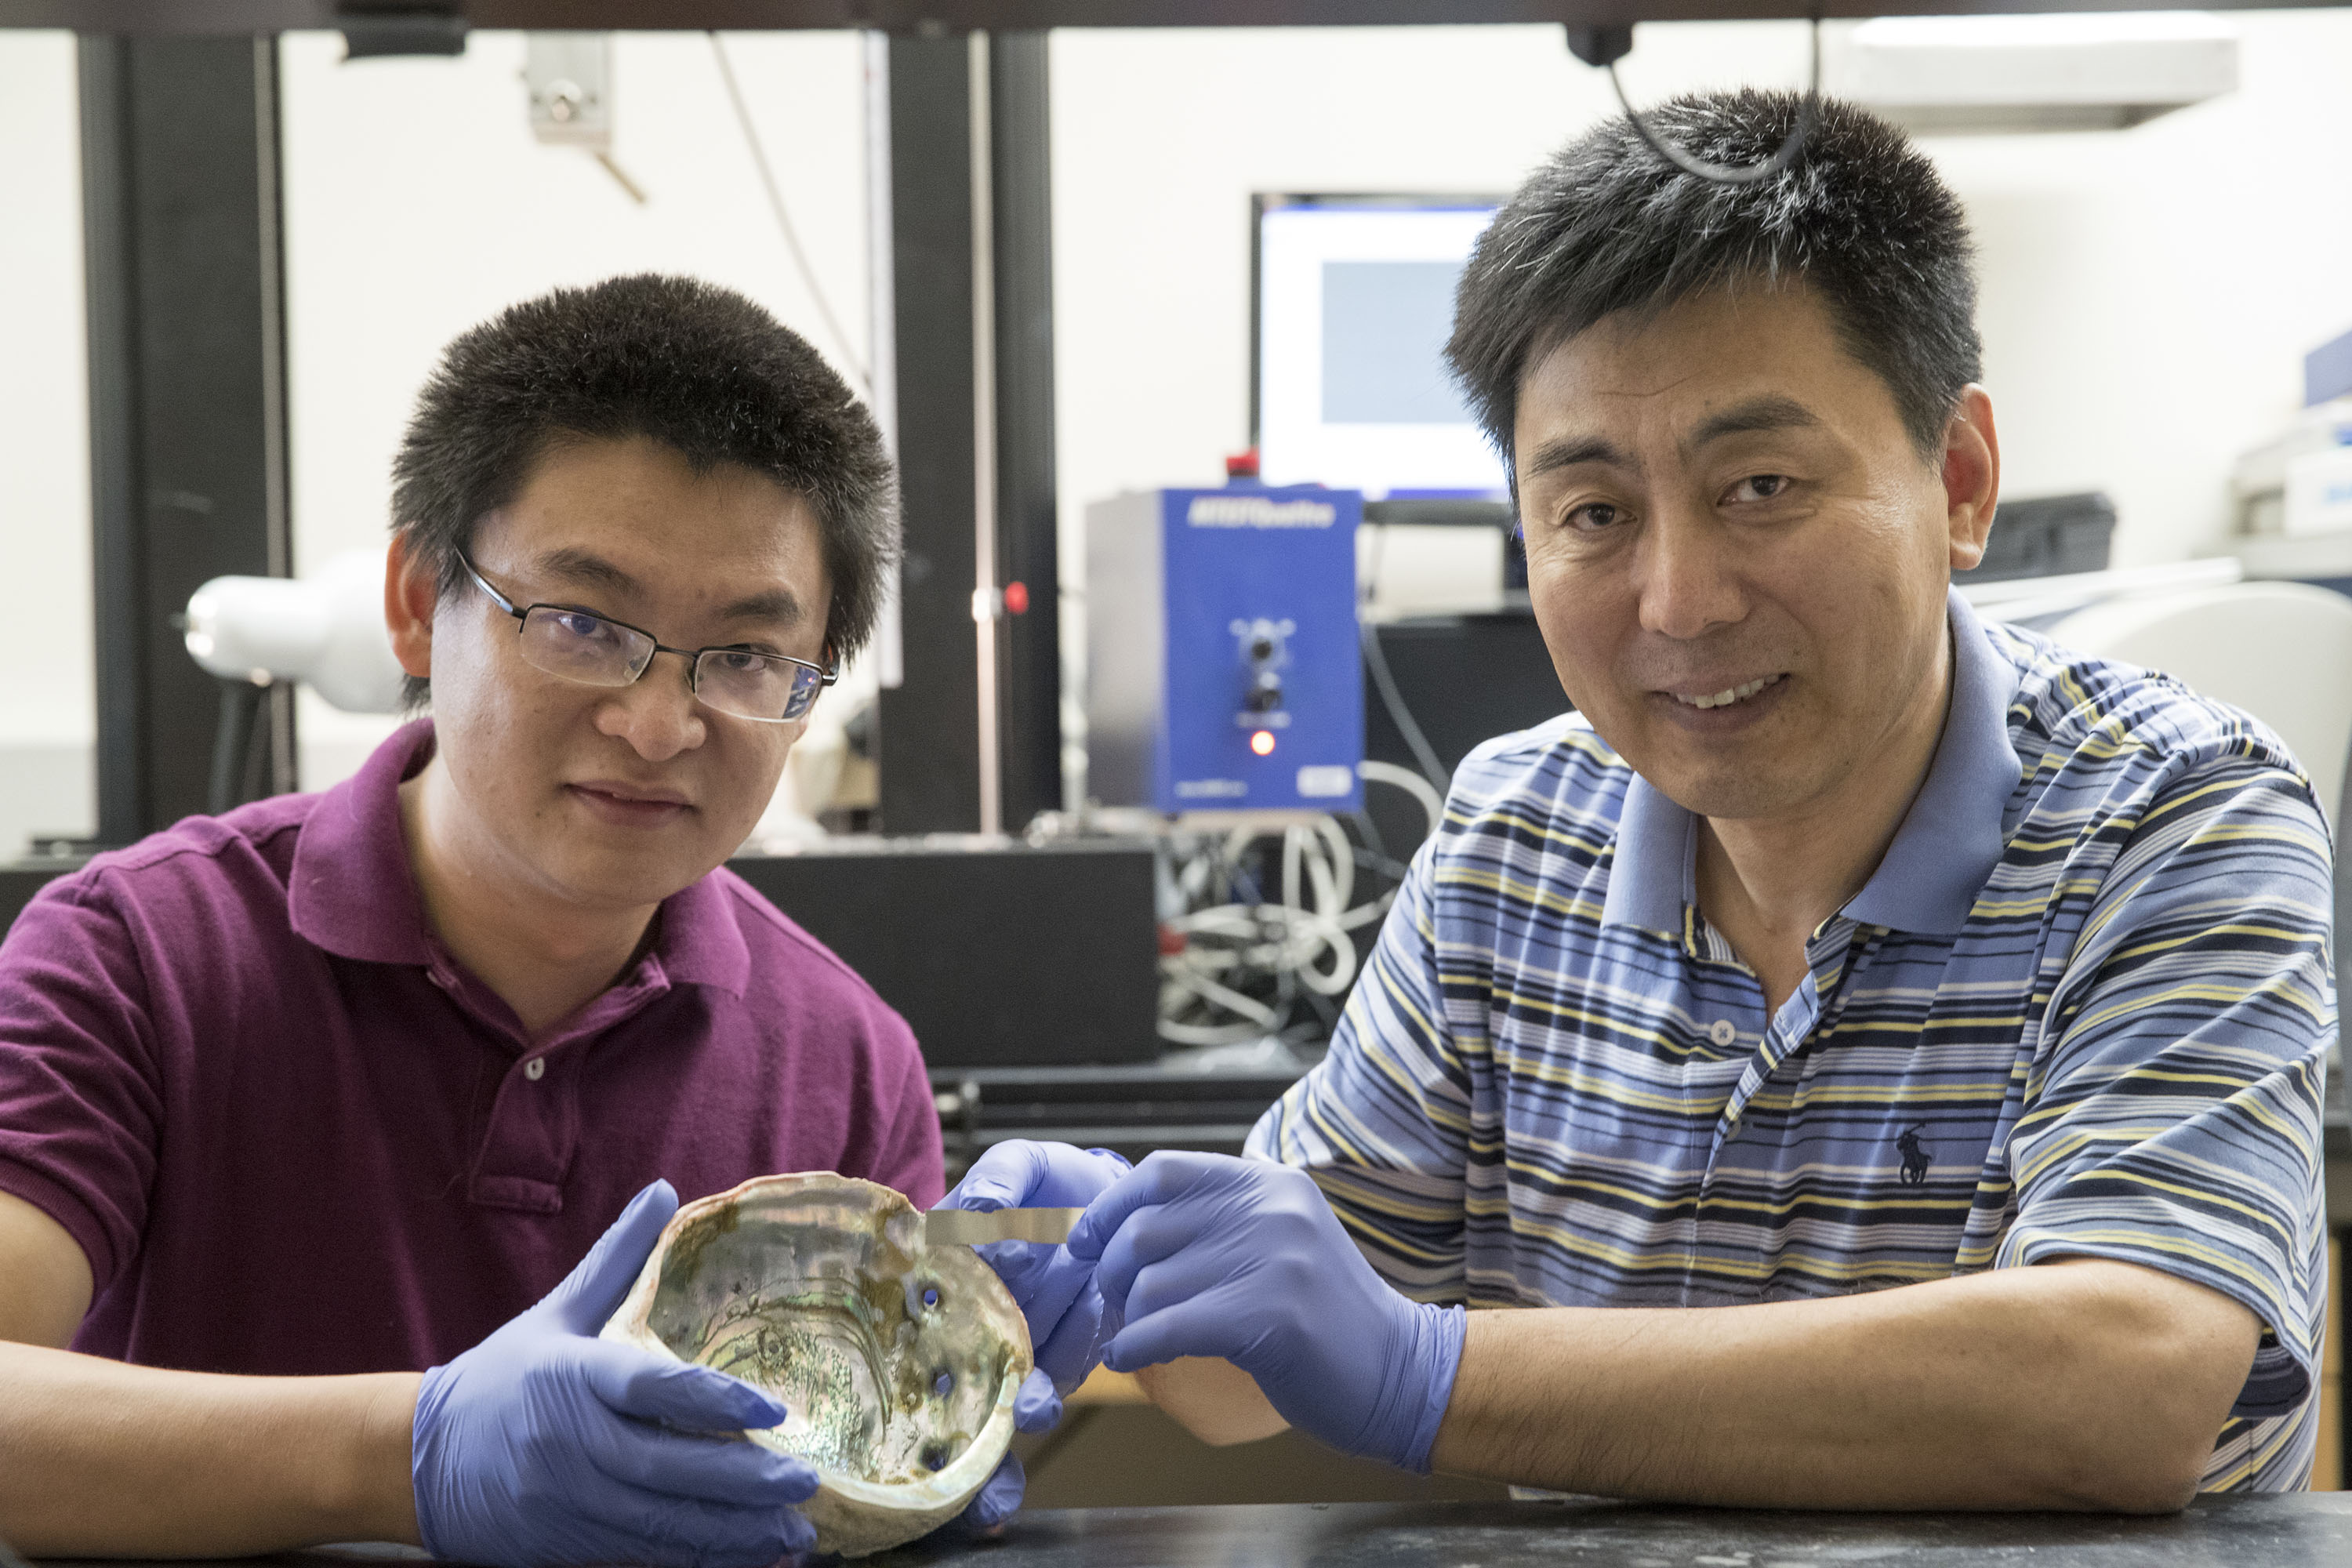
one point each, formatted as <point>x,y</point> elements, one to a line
<point>1223,670</point>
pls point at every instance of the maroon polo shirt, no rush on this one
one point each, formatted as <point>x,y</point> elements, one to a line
<point>294,1136</point>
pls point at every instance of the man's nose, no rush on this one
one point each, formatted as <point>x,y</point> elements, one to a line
<point>1687,577</point>
<point>658,714</point>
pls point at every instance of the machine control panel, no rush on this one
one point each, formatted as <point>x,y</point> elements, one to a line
<point>1263,653</point>
<point>1224,666</point>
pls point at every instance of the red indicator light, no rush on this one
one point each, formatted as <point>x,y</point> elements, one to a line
<point>1262,743</point>
<point>1016,598</point>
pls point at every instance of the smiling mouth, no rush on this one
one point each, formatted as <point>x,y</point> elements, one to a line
<point>1725,698</point>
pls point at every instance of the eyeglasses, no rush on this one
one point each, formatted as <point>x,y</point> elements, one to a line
<point>573,644</point>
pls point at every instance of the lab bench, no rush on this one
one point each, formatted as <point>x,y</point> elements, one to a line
<point>2299,1527</point>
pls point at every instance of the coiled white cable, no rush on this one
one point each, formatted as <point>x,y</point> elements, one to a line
<point>1305,939</point>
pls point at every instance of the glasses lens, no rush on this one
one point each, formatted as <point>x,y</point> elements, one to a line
<point>580,646</point>
<point>755,684</point>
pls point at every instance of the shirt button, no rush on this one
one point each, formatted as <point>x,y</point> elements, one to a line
<point>1723,1031</point>
<point>535,1068</point>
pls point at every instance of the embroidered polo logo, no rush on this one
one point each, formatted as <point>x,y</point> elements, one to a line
<point>1915,1156</point>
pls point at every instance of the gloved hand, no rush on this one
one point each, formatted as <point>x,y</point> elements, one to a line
<point>544,1444</point>
<point>1055,1292</point>
<point>1206,1255</point>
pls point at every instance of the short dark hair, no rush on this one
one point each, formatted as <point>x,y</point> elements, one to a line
<point>1860,217</point>
<point>697,367</point>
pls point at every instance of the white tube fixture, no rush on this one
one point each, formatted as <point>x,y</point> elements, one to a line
<point>326,630</point>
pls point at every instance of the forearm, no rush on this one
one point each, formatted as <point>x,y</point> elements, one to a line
<point>98,1458</point>
<point>2085,1384</point>
<point>1214,1400</point>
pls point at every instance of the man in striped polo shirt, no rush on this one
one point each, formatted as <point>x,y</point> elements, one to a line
<point>1947,1010</point>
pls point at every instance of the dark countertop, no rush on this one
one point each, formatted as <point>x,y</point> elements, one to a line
<point>2295,1530</point>
<point>2287,1531</point>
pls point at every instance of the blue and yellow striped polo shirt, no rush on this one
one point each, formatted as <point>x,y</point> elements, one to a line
<point>2082,1008</point>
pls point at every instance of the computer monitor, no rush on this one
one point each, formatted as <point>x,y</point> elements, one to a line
<point>1352,303</point>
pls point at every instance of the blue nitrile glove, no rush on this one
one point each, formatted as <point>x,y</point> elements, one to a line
<point>1206,1255</point>
<point>1055,1292</point>
<point>545,1444</point>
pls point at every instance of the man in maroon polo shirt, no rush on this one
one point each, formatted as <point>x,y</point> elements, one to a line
<point>299,1102</point>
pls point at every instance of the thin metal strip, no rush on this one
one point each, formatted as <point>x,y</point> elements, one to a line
<point>975,1227</point>
<point>987,598</point>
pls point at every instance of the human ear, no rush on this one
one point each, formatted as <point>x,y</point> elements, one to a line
<point>411,589</point>
<point>1971,474</point>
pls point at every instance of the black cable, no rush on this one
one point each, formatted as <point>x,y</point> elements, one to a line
<point>783,221</point>
<point>234,746</point>
<point>1604,46</point>
<point>1423,753</point>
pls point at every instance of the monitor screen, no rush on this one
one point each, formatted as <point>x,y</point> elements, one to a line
<point>1353,305</point>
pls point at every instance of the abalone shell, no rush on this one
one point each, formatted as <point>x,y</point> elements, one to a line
<point>898,1362</point>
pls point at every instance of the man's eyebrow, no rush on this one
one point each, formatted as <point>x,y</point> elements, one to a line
<point>777,606</point>
<point>586,569</point>
<point>1769,411</point>
<point>1569,451</point>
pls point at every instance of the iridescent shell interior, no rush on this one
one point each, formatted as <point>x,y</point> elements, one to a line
<point>898,1362</point>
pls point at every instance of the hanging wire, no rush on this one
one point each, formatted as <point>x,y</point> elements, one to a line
<point>784,220</point>
<point>1808,114</point>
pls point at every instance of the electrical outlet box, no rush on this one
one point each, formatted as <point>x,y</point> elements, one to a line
<point>1223,667</point>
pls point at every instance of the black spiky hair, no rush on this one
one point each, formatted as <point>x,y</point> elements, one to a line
<point>1859,218</point>
<point>700,368</point>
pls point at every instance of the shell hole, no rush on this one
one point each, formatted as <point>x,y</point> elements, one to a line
<point>941,1384</point>
<point>935,1456</point>
<point>931,1299</point>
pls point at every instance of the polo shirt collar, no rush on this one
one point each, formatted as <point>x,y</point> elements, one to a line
<point>1942,855</point>
<point>352,892</point>
<point>699,942</point>
<point>354,895</point>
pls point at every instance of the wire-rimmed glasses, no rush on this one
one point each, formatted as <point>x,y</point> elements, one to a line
<point>596,650</point>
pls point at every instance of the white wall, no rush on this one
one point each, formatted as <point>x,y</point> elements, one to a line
<point>2147,294</point>
<point>47,703</point>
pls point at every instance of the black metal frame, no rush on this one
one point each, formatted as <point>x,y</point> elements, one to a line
<point>930,731</point>
<point>187,397</point>
<point>1028,644</point>
<point>248,17</point>
<point>928,735</point>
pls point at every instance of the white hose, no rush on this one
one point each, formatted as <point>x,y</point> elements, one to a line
<point>1306,936</point>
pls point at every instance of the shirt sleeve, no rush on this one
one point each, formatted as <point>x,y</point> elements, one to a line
<point>1383,1124</point>
<point>2175,1122</point>
<point>907,1154</point>
<point>80,1091</point>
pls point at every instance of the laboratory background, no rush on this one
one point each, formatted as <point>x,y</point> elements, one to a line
<point>1111,825</point>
